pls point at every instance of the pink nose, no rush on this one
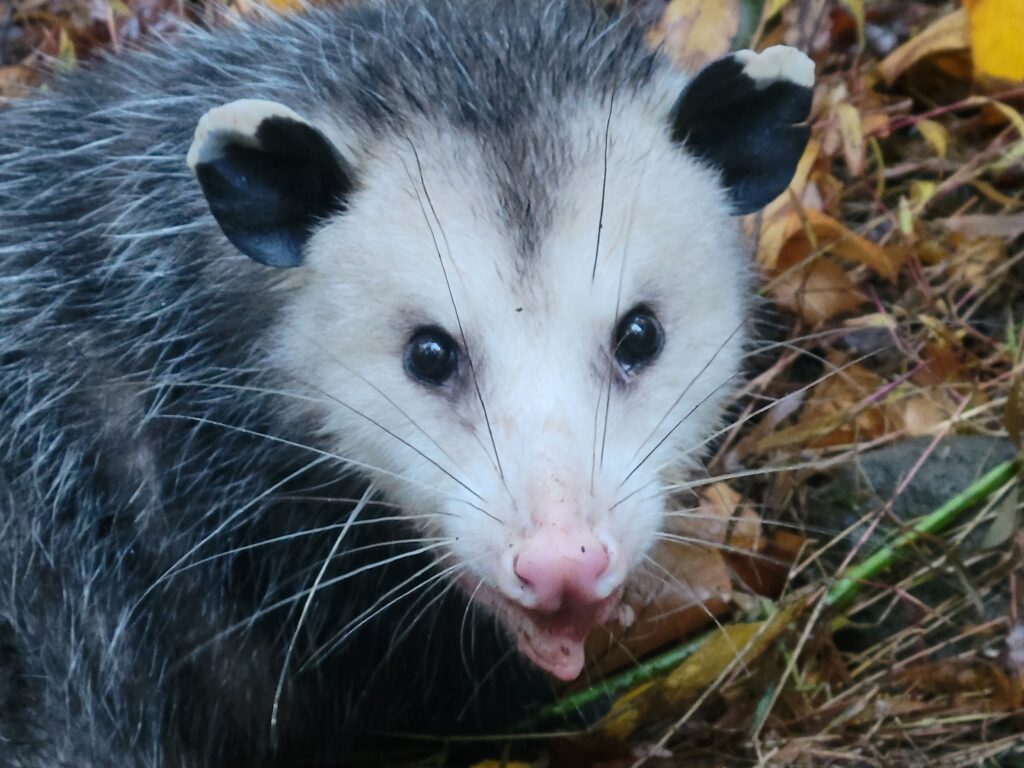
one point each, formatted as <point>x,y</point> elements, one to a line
<point>557,566</point>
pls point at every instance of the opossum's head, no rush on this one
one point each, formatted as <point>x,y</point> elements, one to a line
<point>520,335</point>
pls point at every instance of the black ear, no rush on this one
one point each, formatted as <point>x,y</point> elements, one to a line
<point>268,176</point>
<point>741,114</point>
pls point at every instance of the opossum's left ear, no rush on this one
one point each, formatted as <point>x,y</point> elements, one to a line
<point>268,176</point>
<point>744,114</point>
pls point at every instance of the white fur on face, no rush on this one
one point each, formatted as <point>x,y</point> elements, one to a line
<point>539,330</point>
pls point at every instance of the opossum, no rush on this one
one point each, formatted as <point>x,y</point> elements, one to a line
<point>343,360</point>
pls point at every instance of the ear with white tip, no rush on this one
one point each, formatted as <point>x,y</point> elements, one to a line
<point>744,114</point>
<point>268,176</point>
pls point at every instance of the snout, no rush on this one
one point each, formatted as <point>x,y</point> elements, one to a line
<point>558,568</point>
<point>559,583</point>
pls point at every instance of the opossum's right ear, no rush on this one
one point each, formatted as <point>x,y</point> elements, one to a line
<point>268,176</point>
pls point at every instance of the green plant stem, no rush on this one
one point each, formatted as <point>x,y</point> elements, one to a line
<point>846,589</point>
<point>616,684</point>
<point>842,593</point>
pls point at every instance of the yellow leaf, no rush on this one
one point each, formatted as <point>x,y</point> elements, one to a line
<point>772,7</point>
<point>921,191</point>
<point>935,134</point>
<point>67,59</point>
<point>997,37</point>
<point>695,32</point>
<point>853,137</point>
<point>779,218</point>
<point>857,9</point>
<point>1010,114</point>
<point>725,649</point>
<point>950,33</point>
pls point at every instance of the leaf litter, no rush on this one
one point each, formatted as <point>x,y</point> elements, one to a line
<point>784,624</point>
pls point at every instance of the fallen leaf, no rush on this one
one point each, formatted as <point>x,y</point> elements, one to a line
<point>730,519</point>
<point>921,415</point>
<point>841,409</point>
<point>685,591</point>
<point>852,132</point>
<point>1009,226</point>
<point>695,32</point>
<point>950,33</point>
<point>817,291</point>
<point>936,136</point>
<point>732,645</point>
<point>780,219</point>
<point>997,38</point>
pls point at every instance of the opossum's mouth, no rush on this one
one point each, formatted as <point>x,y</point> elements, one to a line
<point>554,641</point>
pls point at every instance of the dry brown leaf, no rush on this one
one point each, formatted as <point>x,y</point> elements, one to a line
<point>921,415</point>
<point>728,519</point>
<point>839,411</point>
<point>950,33</point>
<point>842,242</point>
<point>997,38</point>
<point>690,586</point>
<point>1009,226</point>
<point>817,291</point>
<point>695,32</point>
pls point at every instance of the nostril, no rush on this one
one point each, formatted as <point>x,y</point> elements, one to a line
<point>560,566</point>
<point>519,574</point>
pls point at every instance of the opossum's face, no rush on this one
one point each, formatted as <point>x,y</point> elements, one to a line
<point>521,356</point>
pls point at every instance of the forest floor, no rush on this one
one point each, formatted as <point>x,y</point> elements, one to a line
<point>847,583</point>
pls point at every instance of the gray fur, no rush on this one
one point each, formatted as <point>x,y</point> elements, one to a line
<point>131,359</point>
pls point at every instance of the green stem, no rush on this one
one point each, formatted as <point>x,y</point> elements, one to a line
<point>615,685</point>
<point>846,589</point>
<point>843,592</point>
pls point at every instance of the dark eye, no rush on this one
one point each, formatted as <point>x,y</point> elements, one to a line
<point>638,339</point>
<point>431,356</point>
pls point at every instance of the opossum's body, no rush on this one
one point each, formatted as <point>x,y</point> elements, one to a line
<point>185,433</point>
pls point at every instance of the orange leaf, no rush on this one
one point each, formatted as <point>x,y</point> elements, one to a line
<point>950,33</point>
<point>847,245</point>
